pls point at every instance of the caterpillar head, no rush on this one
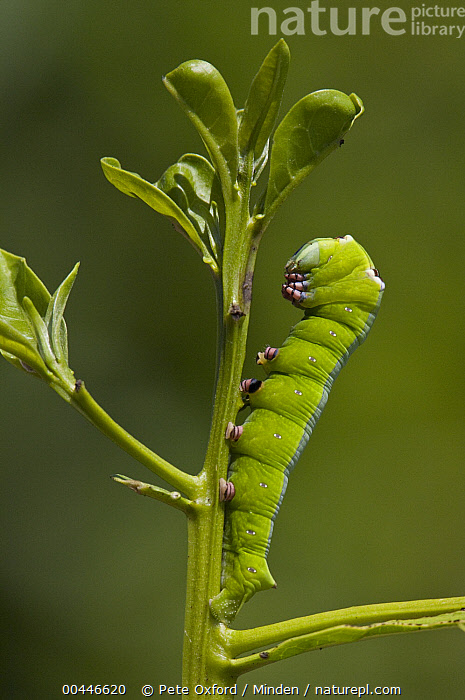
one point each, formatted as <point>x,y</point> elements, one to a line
<point>331,270</point>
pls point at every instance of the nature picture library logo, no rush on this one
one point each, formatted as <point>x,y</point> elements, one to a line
<point>320,19</point>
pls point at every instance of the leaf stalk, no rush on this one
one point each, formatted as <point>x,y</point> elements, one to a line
<point>83,402</point>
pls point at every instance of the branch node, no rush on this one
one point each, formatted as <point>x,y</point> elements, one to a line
<point>235,311</point>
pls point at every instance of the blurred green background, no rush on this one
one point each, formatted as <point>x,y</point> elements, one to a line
<point>93,577</point>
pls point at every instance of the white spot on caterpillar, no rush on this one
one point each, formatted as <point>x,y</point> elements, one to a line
<point>333,334</point>
<point>250,532</point>
<point>277,435</point>
<point>263,485</point>
<point>296,391</point>
<point>252,570</point>
<point>347,308</point>
<point>312,359</point>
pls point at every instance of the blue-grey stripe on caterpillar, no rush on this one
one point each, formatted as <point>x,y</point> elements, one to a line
<point>334,281</point>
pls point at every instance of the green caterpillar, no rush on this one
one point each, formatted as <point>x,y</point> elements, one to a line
<point>334,280</point>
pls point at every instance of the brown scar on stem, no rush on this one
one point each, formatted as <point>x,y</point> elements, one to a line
<point>135,486</point>
<point>235,311</point>
<point>247,288</point>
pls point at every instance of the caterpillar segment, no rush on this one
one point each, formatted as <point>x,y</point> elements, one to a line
<point>334,282</point>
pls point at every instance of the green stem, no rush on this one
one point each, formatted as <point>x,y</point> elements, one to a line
<point>204,660</point>
<point>171,498</point>
<point>85,404</point>
<point>205,530</point>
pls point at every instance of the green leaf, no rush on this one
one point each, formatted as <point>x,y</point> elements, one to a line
<point>41,332</point>
<point>204,96</point>
<point>17,280</point>
<point>20,352</point>
<point>308,133</point>
<point>26,312</point>
<point>263,101</point>
<point>193,185</point>
<point>54,317</point>
<point>133,185</point>
<point>18,342</point>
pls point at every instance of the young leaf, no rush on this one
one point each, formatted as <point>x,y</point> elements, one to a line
<point>203,94</point>
<point>308,133</point>
<point>54,318</point>
<point>18,343</point>
<point>26,310</point>
<point>41,333</point>
<point>193,185</point>
<point>133,185</point>
<point>17,280</point>
<point>263,101</point>
<point>21,352</point>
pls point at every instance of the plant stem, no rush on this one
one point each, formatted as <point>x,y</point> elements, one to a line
<point>171,498</point>
<point>203,660</point>
<point>205,529</point>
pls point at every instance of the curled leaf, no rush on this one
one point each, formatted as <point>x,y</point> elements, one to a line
<point>134,185</point>
<point>193,185</point>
